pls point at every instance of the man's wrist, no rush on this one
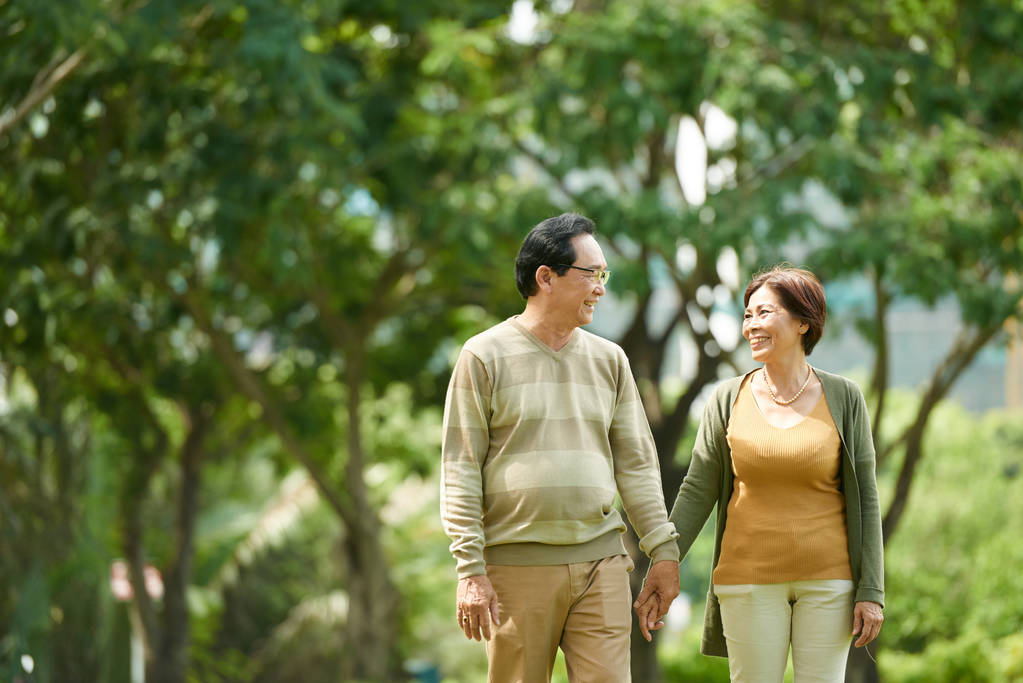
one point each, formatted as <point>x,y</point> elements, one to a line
<point>474,568</point>
<point>665,551</point>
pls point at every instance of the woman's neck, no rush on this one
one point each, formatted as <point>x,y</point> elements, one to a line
<point>788,375</point>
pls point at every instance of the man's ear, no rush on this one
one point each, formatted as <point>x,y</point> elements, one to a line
<point>543,276</point>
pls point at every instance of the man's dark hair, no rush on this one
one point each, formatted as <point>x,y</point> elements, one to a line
<point>547,244</point>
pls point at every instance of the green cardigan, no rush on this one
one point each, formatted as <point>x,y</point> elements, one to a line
<point>709,482</point>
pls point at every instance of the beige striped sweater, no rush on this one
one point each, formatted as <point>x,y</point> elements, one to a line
<point>537,443</point>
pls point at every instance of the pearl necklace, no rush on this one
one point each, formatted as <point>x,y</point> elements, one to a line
<point>799,393</point>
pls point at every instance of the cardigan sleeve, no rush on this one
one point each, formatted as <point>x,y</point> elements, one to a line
<point>701,486</point>
<point>871,585</point>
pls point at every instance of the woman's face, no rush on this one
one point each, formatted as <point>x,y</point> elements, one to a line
<point>772,332</point>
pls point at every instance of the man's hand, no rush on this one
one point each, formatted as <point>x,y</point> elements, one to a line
<point>477,606</point>
<point>659,591</point>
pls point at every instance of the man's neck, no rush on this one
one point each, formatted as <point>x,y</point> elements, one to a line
<point>543,328</point>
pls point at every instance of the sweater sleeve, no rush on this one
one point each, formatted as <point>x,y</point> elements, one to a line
<point>701,486</point>
<point>871,585</point>
<point>637,471</point>
<point>466,440</point>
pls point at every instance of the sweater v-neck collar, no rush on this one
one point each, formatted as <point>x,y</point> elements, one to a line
<point>557,355</point>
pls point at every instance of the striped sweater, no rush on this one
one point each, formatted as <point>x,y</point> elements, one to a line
<point>537,443</point>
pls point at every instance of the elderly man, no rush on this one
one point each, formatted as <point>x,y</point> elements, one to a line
<point>543,427</point>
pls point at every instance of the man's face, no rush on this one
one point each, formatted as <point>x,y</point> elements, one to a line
<point>576,292</point>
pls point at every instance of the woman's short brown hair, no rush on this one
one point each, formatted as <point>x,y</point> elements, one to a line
<point>801,294</point>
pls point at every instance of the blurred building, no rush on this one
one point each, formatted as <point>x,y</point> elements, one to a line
<point>919,338</point>
<point>1014,366</point>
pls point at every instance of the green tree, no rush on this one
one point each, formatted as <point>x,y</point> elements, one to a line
<point>905,128</point>
<point>595,106</point>
<point>207,186</point>
<point>234,223</point>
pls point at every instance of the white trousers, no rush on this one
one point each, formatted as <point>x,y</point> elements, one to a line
<point>761,622</point>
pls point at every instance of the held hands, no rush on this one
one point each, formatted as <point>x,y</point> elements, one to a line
<point>867,618</point>
<point>476,606</point>
<point>659,590</point>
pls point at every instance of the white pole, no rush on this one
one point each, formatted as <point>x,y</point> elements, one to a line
<point>138,650</point>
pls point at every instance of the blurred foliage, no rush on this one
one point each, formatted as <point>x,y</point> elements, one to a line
<point>242,240</point>
<point>956,611</point>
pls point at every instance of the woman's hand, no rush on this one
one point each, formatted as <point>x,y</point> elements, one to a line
<point>867,618</point>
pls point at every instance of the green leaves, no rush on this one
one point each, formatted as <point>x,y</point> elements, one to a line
<point>950,563</point>
<point>330,193</point>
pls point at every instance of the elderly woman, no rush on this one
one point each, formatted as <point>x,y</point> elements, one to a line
<point>785,453</point>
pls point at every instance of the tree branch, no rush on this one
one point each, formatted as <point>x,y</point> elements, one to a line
<point>775,165</point>
<point>252,387</point>
<point>546,168</point>
<point>41,89</point>
<point>879,380</point>
<point>945,375</point>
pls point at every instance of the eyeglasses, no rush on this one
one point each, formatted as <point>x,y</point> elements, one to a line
<point>598,276</point>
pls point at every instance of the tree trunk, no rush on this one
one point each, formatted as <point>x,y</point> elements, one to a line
<point>371,636</point>
<point>957,360</point>
<point>879,379</point>
<point>645,667</point>
<point>861,667</point>
<point>252,386</point>
<point>132,498</point>
<point>646,353</point>
<point>171,663</point>
<point>373,601</point>
<point>670,431</point>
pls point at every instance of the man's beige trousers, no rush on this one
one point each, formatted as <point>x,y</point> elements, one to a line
<point>585,608</point>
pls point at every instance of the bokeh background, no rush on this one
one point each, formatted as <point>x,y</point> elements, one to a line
<point>243,240</point>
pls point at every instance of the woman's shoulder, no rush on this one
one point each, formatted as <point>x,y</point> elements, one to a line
<point>731,383</point>
<point>834,383</point>
<point>725,390</point>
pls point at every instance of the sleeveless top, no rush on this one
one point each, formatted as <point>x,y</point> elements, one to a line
<point>786,516</point>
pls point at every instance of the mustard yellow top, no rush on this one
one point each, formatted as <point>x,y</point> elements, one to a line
<point>786,515</point>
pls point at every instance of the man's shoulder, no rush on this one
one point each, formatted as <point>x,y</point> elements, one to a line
<point>492,341</point>
<point>597,345</point>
